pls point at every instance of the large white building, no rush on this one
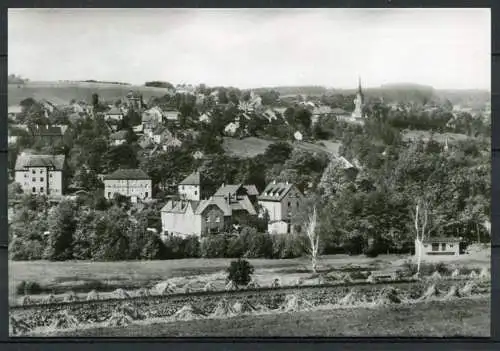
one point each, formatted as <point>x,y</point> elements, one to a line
<point>133,183</point>
<point>280,200</point>
<point>40,174</point>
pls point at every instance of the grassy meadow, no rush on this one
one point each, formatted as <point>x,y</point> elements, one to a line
<point>84,276</point>
<point>64,92</point>
<point>460,317</point>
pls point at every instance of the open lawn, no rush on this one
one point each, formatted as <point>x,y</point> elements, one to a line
<point>83,276</point>
<point>460,317</point>
<point>252,146</point>
<point>61,92</point>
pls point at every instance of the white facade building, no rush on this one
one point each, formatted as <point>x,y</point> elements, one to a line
<point>40,174</point>
<point>133,183</point>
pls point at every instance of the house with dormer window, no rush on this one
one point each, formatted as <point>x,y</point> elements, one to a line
<point>280,201</point>
<point>195,214</point>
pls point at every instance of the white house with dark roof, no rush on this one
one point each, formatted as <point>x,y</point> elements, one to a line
<point>191,188</point>
<point>40,174</point>
<point>194,214</point>
<point>114,114</point>
<point>171,144</point>
<point>171,115</point>
<point>133,183</point>
<point>118,138</point>
<point>280,200</point>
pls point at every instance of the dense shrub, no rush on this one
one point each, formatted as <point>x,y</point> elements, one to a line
<point>192,247</point>
<point>235,247</point>
<point>214,246</point>
<point>256,245</point>
<point>20,250</point>
<point>371,252</point>
<point>354,245</point>
<point>28,288</point>
<point>285,246</point>
<point>240,272</point>
<point>178,247</point>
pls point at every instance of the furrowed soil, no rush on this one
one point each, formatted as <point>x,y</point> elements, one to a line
<point>461,317</point>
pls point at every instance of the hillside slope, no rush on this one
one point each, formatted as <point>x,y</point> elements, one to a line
<point>63,93</point>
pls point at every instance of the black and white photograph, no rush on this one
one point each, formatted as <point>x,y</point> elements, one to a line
<point>249,172</point>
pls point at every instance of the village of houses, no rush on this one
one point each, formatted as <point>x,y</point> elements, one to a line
<point>194,208</point>
<point>193,211</point>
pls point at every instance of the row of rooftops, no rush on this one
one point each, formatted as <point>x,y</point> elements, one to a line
<point>54,162</point>
<point>275,191</point>
<point>227,207</point>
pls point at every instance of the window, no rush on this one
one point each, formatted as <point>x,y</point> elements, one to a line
<point>41,189</point>
<point>41,179</point>
<point>289,203</point>
<point>33,171</point>
<point>217,219</point>
<point>50,175</point>
<point>41,171</point>
<point>33,190</point>
<point>109,195</point>
<point>451,246</point>
<point>146,194</point>
<point>33,179</point>
<point>435,247</point>
<point>195,192</point>
<point>25,175</point>
<point>208,219</point>
<point>443,247</point>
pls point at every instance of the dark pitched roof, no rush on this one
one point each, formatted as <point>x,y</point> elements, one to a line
<point>224,190</point>
<point>226,207</point>
<point>251,190</point>
<point>192,179</point>
<point>442,240</point>
<point>50,161</point>
<point>127,174</point>
<point>179,206</point>
<point>275,191</point>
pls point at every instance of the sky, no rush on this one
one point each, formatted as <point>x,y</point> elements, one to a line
<point>249,48</point>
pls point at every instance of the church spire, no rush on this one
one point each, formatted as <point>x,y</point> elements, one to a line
<point>359,85</point>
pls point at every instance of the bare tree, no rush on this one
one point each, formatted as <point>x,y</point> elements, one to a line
<point>313,236</point>
<point>421,222</point>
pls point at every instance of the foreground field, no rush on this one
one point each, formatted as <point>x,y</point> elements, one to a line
<point>82,277</point>
<point>461,317</point>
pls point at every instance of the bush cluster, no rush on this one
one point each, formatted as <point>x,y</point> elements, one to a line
<point>248,244</point>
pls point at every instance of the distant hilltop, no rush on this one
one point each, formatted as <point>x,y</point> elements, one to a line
<point>62,92</point>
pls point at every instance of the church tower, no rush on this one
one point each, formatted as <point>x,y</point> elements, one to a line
<point>358,103</point>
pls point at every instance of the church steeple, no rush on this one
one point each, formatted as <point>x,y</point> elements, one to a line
<point>360,92</point>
